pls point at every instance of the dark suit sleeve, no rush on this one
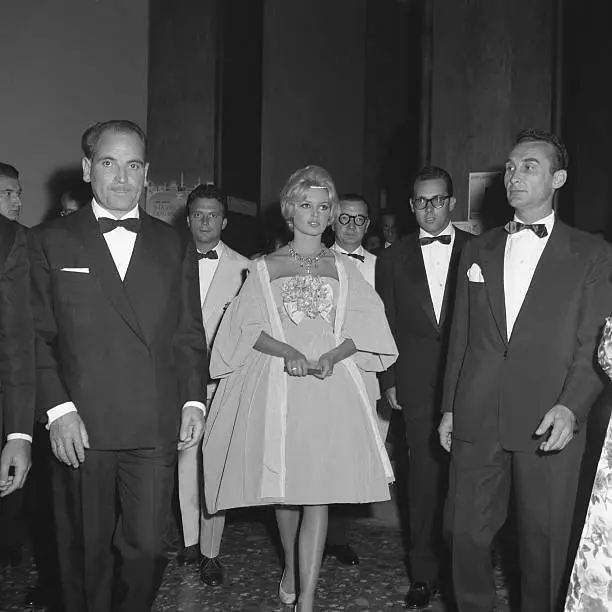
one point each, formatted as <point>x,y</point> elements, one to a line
<point>17,340</point>
<point>583,383</point>
<point>459,330</point>
<point>50,387</point>
<point>190,341</point>
<point>385,288</point>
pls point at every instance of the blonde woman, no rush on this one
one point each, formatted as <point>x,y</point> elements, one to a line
<point>293,423</point>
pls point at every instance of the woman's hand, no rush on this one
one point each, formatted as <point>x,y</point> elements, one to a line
<point>326,364</point>
<point>295,363</point>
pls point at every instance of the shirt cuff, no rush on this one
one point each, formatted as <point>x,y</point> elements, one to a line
<point>19,436</point>
<point>195,404</point>
<point>59,411</point>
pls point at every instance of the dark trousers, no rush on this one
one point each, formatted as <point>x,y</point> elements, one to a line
<point>481,476</point>
<point>427,485</point>
<point>337,526</point>
<point>115,504</point>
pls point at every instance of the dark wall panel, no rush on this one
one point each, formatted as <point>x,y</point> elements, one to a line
<point>587,112</point>
<point>240,112</point>
<point>492,75</point>
<point>182,90</point>
<point>313,91</point>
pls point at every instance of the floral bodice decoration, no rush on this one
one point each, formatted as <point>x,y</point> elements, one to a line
<point>307,296</point>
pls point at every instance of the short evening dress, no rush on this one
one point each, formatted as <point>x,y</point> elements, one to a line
<point>272,438</point>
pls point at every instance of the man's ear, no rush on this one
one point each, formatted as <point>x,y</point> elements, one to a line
<point>86,165</point>
<point>559,178</point>
<point>224,223</point>
<point>366,226</point>
<point>451,204</point>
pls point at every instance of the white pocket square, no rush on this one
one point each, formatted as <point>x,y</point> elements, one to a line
<point>474,274</point>
<point>79,270</point>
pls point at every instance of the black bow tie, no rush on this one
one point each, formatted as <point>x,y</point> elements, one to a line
<point>108,225</point>
<point>445,239</point>
<point>212,254</point>
<point>539,229</point>
<point>361,258</point>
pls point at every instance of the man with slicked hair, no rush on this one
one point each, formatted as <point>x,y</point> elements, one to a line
<point>532,298</point>
<point>121,369</point>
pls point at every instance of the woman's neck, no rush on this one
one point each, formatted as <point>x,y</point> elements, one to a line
<point>306,245</point>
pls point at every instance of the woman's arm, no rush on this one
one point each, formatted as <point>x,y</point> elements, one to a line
<point>296,363</point>
<point>328,360</point>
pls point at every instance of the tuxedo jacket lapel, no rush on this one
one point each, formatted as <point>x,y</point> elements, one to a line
<point>216,296</point>
<point>147,281</point>
<point>451,279</point>
<point>492,264</point>
<point>414,268</point>
<point>104,268</point>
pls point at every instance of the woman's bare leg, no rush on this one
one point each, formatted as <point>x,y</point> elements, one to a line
<point>288,520</point>
<point>313,532</point>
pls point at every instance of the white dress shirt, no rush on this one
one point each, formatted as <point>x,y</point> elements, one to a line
<point>436,257</point>
<point>521,257</point>
<point>120,242</point>
<point>367,267</point>
<point>207,269</point>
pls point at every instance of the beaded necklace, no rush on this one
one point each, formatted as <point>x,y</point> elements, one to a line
<point>308,262</point>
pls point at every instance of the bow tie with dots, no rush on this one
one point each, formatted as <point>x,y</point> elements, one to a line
<point>539,229</point>
<point>212,254</point>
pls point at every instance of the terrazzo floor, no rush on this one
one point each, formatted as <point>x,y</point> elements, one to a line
<point>251,561</point>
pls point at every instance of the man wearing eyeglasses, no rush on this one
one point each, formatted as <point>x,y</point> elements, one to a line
<point>416,279</point>
<point>10,192</point>
<point>350,227</point>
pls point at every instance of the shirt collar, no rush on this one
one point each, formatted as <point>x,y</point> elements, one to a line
<point>449,230</point>
<point>548,221</point>
<point>100,211</point>
<point>218,248</point>
<point>358,251</point>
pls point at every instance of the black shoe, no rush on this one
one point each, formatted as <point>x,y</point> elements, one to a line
<point>419,596</point>
<point>343,553</point>
<point>211,571</point>
<point>188,555</point>
<point>36,597</point>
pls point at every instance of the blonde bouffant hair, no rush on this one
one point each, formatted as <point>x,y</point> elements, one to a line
<point>299,183</point>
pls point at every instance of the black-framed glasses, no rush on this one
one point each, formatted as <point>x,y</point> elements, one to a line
<point>437,201</point>
<point>359,220</point>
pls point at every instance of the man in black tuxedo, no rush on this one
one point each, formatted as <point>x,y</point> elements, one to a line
<point>416,279</point>
<point>520,380</point>
<point>17,374</point>
<point>121,367</point>
<point>17,383</point>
